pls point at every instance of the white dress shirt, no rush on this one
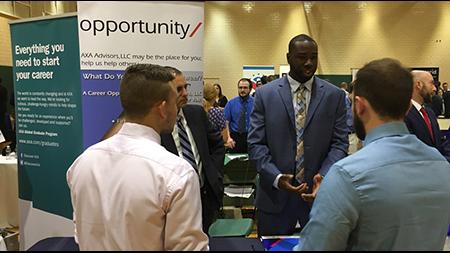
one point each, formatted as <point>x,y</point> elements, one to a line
<point>129,193</point>
<point>417,106</point>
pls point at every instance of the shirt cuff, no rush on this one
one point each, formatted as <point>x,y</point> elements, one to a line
<point>275,183</point>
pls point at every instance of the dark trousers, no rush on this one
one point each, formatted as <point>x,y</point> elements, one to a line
<point>283,223</point>
<point>210,207</point>
<point>241,142</point>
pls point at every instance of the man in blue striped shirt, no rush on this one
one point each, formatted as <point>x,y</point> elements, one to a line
<point>394,194</point>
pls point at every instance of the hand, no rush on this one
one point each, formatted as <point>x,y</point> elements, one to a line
<point>317,179</point>
<point>230,143</point>
<point>285,183</point>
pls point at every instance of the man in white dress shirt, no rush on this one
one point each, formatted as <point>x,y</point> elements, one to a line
<point>128,192</point>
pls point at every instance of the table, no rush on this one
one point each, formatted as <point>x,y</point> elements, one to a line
<point>9,193</point>
<point>215,244</point>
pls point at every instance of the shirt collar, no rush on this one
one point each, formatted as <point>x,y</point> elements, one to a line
<point>138,130</point>
<point>180,115</point>
<point>417,105</point>
<point>295,84</point>
<point>385,130</point>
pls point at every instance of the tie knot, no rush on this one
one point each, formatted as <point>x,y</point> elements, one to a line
<point>423,110</point>
<point>180,119</point>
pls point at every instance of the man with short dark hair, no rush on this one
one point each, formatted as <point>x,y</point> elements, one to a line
<point>297,131</point>
<point>198,142</point>
<point>237,113</point>
<point>128,192</point>
<point>393,194</point>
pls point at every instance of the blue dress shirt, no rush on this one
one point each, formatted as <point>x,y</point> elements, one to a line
<point>233,111</point>
<point>394,194</point>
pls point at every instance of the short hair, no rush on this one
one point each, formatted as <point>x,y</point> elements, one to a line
<point>246,80</point>
<point>387,85</point>
<point>301,37</point>
<point>174,71</point>
<point>350,87</point>
<point>142,87</point>
<point>220,89</point>
<point>209,92</point>
<point>264,79</point>
<point>418,75</point>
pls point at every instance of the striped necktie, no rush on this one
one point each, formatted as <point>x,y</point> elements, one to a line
<point>300,115</point>
<point>186,147</point>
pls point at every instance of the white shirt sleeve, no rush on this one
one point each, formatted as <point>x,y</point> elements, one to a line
<point>184,215</point>
<point>275,183</point>
<point>2,138</point>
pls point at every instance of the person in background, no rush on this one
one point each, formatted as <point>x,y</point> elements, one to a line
<point>128,192</point>
<point>297,131</point>
<point>264,80</point>
<point>7,120</point>
<point>446,98</point>
<point>222,100</point>
<point>3,110</point>
<point>437,102</point>
<point>354,142</point>
<point>344,87</point>
<point>215,114</point>
<point>421,120</point>
<point>237,112</point>
<point>195,140</point>
<point>393,194</point>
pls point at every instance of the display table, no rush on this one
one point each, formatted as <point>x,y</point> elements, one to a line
<point>9,193</point>
<point>215,244</point>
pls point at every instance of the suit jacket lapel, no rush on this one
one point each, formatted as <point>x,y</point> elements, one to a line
<point>191,122</point>
<point>317,93</point>
<point>285,92</point>
<point>434,125</point>
<point>168,142</point>
<point>418,118</point>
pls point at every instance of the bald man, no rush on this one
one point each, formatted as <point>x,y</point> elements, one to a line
<point>421,120</point>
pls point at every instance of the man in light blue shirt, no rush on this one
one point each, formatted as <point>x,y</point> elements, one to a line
<point>394,194</point>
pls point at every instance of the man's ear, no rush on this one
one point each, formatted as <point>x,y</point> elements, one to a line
<point>162,109</point>
<point>360,105</point>
<point>418,84</point>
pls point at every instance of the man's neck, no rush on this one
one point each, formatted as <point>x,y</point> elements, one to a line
<point>376,122</point>
<point>298,79</point>
<point>244,98</point>
<point>418,99</point>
